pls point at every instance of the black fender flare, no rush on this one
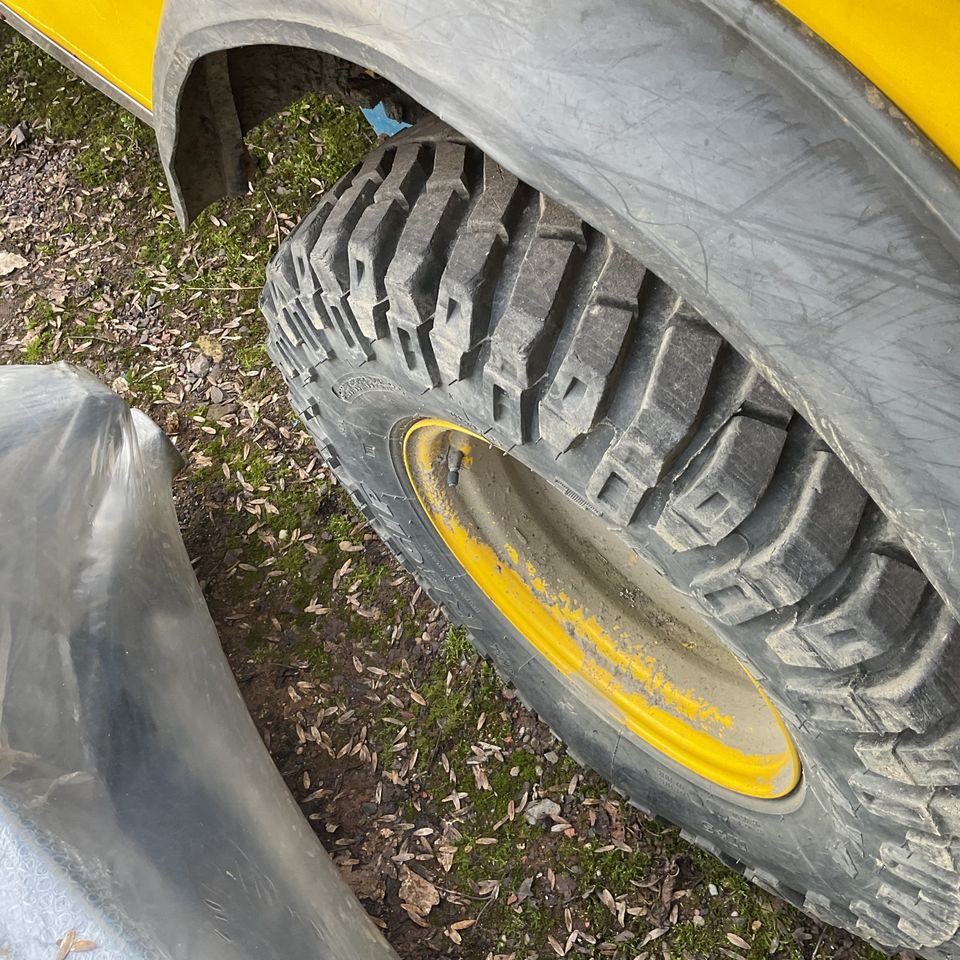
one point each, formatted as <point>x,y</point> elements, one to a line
<point>727,148</point>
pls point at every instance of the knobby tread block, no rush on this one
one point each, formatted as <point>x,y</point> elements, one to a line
<point>465,297</point>
<point>719,493</point>
<point>572,404</point>
<point>808,540</point>
<point>522,342</point>
<point>432,264</point>
<point>859,622</point>
<point>373,240</point>
<point>667,412</point>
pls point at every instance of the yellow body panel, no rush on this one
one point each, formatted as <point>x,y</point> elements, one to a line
<point>909,49</point>
<point>115,38</point>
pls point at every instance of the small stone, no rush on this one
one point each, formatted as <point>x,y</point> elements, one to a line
<point>198,365</point>
<point>551,756</point>
<point>712,889</point>
<point>18,135</point>
<point>217,411</point>
<point>566,886</point>
<point>540,810</point>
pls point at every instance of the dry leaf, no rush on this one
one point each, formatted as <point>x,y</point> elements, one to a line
<point>738,941</point>
<point>453,931</point>
<point>416,892</point>
<point>65,944</point>
<point>10,262</point>
<point>606,898</point>
<point>653,935</point>
<point>414,914</point>
<point>445,857</point>
<point>557,948</point>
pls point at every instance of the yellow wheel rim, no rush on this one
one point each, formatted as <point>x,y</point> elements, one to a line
<point>602,617</point>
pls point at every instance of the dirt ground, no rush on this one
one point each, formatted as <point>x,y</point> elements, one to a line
<point>414,765</point>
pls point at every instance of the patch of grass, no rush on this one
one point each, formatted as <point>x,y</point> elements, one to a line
<point>455,647</point>
<point>340,526</point>
<point>613,869</point>
<point>311,144</point>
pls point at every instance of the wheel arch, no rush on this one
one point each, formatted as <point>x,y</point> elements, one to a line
<point>719,141</point>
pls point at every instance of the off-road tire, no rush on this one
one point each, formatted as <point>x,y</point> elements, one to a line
<point>429,282</point>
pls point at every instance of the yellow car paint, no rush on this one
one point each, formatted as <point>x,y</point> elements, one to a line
<point>678,723</point>
<point>114,38</point>
<point>908,50</point>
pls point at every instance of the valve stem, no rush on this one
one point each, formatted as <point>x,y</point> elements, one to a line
<point>454,461</point>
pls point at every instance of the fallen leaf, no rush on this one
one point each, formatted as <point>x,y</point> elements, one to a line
<point>606,898</point>
<point>445,857</point>
<point>653,935</point>
<point>364,882</point>
<point>65,944</point>
<point>557,948</point>
<point>417,892</point>
<point>453,931</point>
<point>18,135</point>
<point>525,889</point>
<point>10,262</point>
<point>414,915</point>
<point>738,941</point>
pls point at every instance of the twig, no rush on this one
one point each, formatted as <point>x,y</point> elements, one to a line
<point>222,289</point>
<point>276,219</point>
<point>81,336</point>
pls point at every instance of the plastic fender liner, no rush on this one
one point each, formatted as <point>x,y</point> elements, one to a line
<point>138,804</point>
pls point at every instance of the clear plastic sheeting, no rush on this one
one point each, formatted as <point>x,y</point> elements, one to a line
<point>138,806</point>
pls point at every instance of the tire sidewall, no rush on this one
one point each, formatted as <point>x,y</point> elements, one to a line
<point>363,417</point>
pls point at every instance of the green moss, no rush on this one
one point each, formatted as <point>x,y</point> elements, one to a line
<point>613,869</point>
<point>369,576</point>
<point>41,324</point>
<point>37,349</point>
<point>340,526</point>
<point>252,356</point>
<point>315,139</point>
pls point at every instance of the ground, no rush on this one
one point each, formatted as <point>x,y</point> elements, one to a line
<point>413,763</point>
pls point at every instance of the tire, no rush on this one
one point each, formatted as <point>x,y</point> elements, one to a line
<point>429,282</point>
